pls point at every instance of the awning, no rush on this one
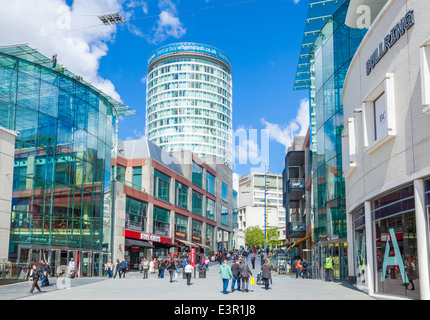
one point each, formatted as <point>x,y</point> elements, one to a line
<point>205,246</point>
<point>297,242</point>
<point>138,243</point>
<point>187,243</point>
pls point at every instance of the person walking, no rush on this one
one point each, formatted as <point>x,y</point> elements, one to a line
<point>266,274</point>
<point>152,266</point>
<point>117,269</point>
<point>329,269</point>
<point>262,258</point>
<point>298,268</point>
<point>35,275</point>
<point>109,268</point>
<point>410,272</point>
<point>71,268</point>
<point>245,274</point>
<point>161,268</point>
<point>124,267</point>
<point>253,261</point>
<point>172,268</point>
<point>235,270</point>
<point>305,269</point>
<point>141,265</point>
<point>188,270</point>
<point>226,275</point>
<point>207,263</point>
<point>145,268</point>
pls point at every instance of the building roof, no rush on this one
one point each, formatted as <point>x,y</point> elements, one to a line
<point>142,148</point>
<point>319,12</point>
<point>25,52</point>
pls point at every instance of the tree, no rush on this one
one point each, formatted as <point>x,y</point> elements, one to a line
<point>273,237</point>
<point>254,237</point>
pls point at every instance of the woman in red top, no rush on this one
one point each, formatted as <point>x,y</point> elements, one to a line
<point>298,268</point>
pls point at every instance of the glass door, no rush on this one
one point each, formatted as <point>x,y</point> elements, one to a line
<point>86,264</point>
<point>96,264</point>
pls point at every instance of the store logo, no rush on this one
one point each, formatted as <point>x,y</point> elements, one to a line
<point>395,260</point>
<point>396,33</point>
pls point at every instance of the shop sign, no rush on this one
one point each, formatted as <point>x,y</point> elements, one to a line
<point>146,236</point>
<point>396,33</point>
<point>197,238</point>
<point>193,257</point>
<point>180,235</point>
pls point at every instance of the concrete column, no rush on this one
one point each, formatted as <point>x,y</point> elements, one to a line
<point>350,249</point>
<point>422,239</point>
<point>370,249</point>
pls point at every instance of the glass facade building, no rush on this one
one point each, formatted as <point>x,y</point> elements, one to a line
<point>329,58</point>
<point>189,100</point>
<point>62,167</point>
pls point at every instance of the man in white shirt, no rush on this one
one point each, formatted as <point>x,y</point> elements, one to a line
<point>188,272</point>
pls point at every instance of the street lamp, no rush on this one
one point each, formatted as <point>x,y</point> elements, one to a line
<point>111,18</point>
<point>265,206</point>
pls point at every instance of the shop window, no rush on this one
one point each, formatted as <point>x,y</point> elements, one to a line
<point>379,115</point>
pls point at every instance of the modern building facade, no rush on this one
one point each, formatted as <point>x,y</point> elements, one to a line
<point>252,210</point>
<point>169,202</point>
<point>189,100</point>
<point>386,145</point>
<point>297,200</point>
<point>62,161</point>
<point>329,57</point>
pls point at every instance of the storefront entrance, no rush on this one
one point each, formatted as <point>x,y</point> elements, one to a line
<point>338,250</point>
<point>89,263</point>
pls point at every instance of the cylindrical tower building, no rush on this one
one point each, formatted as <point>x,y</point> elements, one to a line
<point>189,100</point>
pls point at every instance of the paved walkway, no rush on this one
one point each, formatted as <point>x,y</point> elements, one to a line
<point>134,287</point>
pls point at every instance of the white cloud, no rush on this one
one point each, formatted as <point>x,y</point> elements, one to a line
<point>296,127</point>
<point>51,26</point>
<point>168,24</point>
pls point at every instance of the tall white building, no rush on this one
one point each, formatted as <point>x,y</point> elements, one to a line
<point>251,210</point>
<point>189,100</point>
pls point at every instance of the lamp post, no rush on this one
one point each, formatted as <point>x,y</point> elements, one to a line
<point>265,207</point>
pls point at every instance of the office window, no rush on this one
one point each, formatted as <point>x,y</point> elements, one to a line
<point>135,214</point>
<point>197,175</point>
<point>210,183</point>
<point>224,215</point>
<point>181,223</point>
<point>161,186</point>
<point>120,173</point>
<point>224,192</point>
<point>181,195</point>
<point>161,221</point>
<point>210,209</point>
<point>137,177</point>
<point>197,203</point>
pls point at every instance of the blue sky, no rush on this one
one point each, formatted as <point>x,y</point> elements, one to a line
<point>262,39</point>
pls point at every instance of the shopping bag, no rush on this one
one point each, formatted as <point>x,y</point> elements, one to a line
<point>252,281</point>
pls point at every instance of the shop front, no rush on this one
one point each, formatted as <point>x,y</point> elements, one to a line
<point>337,248</point>
<point>141,245</point>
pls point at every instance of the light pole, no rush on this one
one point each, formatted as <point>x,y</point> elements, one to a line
<point>265,207</point>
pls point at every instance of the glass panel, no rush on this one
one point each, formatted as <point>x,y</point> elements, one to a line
<point>49,99</point>
<point>28,91</point>
<point>197,175</point>
<point>210,183</point>
<point>197,203</point>
<point>7,115</point>
<point>8,85</point>
<point>181,195</point>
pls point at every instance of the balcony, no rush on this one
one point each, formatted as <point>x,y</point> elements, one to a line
<point>296,229</point>
<point>296,191</point>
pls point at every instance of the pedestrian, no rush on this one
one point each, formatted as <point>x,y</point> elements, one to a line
<point>245,274</point>
<point>161,268</point>
<point>145,268</point>
<point>253,261</point>
<point>235,270</point>
<point>71,268</point>
<point>188,270</point>
<point>35,275</point>
<point>226,275</point>
<point>117,269</point>
<point>54,61</point>
<point>124,267</point>
<point>152,266</point>
<point>109,268</point>
<point>410,272</point>
<point>329,269</point>
<point>207,263</point>
<point>298,268</point>
<point>172,268</point>
<point>266,274</point>
<point>262,258</point>
<point>141,265</point>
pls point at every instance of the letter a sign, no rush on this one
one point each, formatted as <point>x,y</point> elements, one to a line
<point>393,261</point>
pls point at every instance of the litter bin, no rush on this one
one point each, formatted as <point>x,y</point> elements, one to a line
<point>202,272</point>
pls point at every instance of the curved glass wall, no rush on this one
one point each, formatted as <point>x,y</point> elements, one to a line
<point>189,104</point>
<point>330,58</point>
<point>62,156</point>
